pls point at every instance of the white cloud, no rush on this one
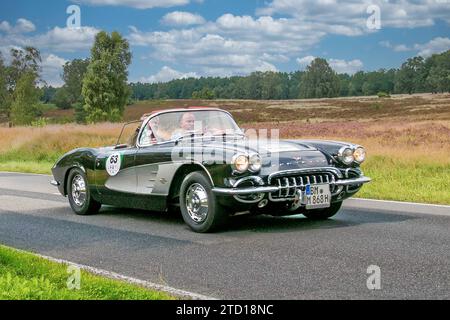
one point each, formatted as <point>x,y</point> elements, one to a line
<point>52,69</point>
<point>22,26</point>
<point>67,39</point>
<point>396,48</point>
<point>436,45</point>
<point>231,45</point>
<point>138,4</point>
<point>5,53</point>
<point>350,17</point>
<point>401,48</point>
<point>167,74</point>
<point>338,65</point>
<point>281,31</point>
<point>57,39</point>
<point>305,61</point>
<point>180,18</point>
<point>343,66</point>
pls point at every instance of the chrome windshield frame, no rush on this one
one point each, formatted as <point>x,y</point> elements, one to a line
<point>156,114</point>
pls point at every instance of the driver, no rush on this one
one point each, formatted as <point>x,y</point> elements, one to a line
<point>187,125</point>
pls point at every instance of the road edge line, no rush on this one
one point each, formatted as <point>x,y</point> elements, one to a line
<point>402,205</point>
<point>397,206</point>
<point>116,276</point>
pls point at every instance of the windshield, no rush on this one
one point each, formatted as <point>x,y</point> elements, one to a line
<point>174,125</point>
<point>129,133</point>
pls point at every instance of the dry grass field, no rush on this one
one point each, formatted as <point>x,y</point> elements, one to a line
<point>407,137</point>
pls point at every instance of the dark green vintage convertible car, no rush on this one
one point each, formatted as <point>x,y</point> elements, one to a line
<point>199,161</point>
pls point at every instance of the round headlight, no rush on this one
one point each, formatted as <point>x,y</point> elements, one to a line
<point>359,154</point>
<point>255,163</point>
<point>346,156</point>
<point>240,163</point>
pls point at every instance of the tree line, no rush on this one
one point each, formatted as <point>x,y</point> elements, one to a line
<point>319,80</point>
<point>97,87</point>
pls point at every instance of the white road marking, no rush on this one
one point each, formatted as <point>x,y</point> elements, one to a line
<point>143,283</point>
<point>17,204</point>
<point>28,174</point>
<point>398,206</point>
<point>358,203</point>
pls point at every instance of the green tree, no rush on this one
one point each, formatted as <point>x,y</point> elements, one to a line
<point>62,98</point>
<point>4,94</point>
<point>105,89</point>
<point>73,75</point>
<point>344,80</point>
<point>204,94</point>
<point>411,76</point>
<point>319,81</point>
<point>48,92</point>
<point>25,100</point>
<point>25,60</point>
<point>355,87</point>
<point>438,78</point>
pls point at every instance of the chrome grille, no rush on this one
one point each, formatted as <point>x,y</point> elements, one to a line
<point>288,185</point>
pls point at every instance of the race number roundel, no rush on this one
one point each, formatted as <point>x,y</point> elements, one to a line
<point>113,164</point>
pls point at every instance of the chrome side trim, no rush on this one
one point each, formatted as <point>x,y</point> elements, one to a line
<point>244,191</point>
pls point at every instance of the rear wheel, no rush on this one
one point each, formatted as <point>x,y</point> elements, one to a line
<point>199,207</point>
<point>323,214</point>
<point>79,195</point>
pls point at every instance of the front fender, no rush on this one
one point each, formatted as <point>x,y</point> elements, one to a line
<point>83,159</point>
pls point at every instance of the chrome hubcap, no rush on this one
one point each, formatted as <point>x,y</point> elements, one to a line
<point>197,202</point>
<point>78,190</point>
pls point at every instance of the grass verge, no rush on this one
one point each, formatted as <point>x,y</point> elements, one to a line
<point>24,276</point>
<point>42,167</point>
<point>393,179</point>
<point>406,180</point>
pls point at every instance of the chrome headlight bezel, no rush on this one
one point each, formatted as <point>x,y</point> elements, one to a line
<point>345,155</point>
<point>240,163</point>
<point>255,163</point>
<point>360,154</point>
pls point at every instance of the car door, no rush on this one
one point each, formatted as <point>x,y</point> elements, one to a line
<point>115,171</point>
<point>115,176</point>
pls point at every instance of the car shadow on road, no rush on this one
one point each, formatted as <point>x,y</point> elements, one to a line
<point>345,218</point>
<point>267,223</point>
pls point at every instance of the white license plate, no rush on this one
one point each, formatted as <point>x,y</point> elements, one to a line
<point>318,196</point>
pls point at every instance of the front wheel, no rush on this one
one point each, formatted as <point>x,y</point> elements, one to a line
<point>79,195</point>
<point>323,214</point>
<point>199,207</point>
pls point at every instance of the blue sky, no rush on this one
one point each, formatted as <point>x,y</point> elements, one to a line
<point>181,38</point>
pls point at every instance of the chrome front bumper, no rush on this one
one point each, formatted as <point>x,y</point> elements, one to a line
<point>271,189</point>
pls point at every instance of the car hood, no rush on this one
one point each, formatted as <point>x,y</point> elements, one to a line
<point>280,156</point>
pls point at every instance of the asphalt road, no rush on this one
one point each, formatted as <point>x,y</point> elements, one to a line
<point>255,258</point>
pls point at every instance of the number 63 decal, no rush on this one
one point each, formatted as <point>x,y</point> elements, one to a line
<point>113,164</point>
